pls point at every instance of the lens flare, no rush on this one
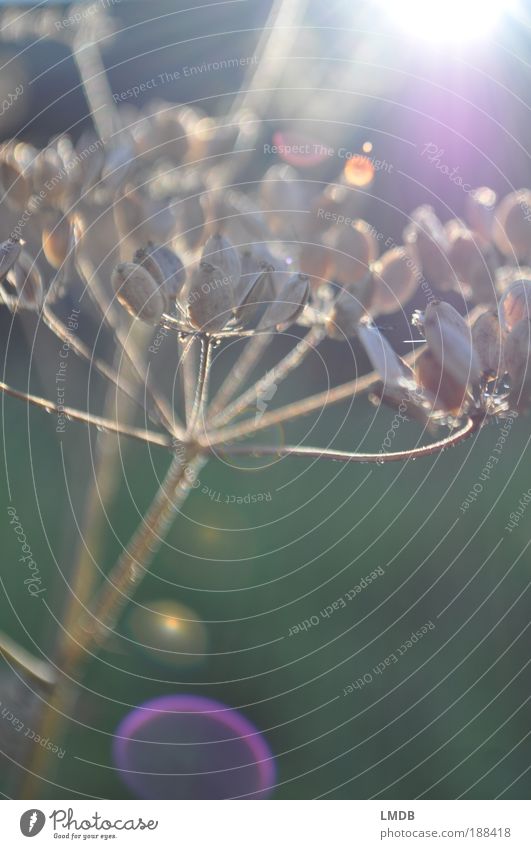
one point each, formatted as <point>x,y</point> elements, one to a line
<point>169,633</point>
<point>190,747</point>
<point>452,21</point>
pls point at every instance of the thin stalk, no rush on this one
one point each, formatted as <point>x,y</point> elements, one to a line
<point>102,108</point>
<point>143,435</point>
<point>236,378</point>
<point>132,565</point>
<point>188,373</point>
<point>201,395</point>
<point>275,376</point>
<point>472,425</point>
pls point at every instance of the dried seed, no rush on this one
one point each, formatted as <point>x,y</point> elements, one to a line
<point>394,282</point>
<point>515,304</point>
<point>289,302</point>
<point>450,340</point>
<point>391,368</point>
<point>426,240</point>
<point>138,292</point>
<point>488,341</point>
<point>164,266</point>
<point>210,298</point>
<point>445,393</point>
<point>512,225</point>
<point>353,248</point>
<point>517,352</point>
<point>480,207</point>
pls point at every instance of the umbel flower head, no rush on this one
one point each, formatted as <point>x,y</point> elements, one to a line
<point>223,294</point>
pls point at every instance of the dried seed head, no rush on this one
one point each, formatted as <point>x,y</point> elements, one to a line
<point>392,369</point>
<point>394,282</point>
<point>316,262</point>
<point>138,292</point>
<point>164,266</point>
<point>518,363</point>
<point>480,207</point>
<point>210,298</point>
<point>56,239</point>
<point>468,264</point>
<point>219,252</point>
<point>283,197</point>
<point>426,239</point>
<point>443,391</point>
<point>488,341</point>
<point>344,319</point>
<point>450,340</point>
<point>353,248</point>
<point>290,300</point>
<point>512,225</point>
<point>16,174</point>
<point>22,287</point>
<point>515,304</point>
<point>9,253</point>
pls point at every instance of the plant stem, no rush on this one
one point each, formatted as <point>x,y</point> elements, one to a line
<point>472,425</point>
<point>197,412</point>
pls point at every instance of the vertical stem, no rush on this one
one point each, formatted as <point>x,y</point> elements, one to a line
<point>201,392</point>
<point>251,354</point>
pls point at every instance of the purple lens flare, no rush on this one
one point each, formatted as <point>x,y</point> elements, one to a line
<point>191,747</point>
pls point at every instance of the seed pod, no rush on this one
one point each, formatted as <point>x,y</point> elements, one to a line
<point>219,252</point>
<point>9,253</point>
<point>353,249</point>
<point>518,362</point>
<point>138,292</point>
<point>480,207</point>
<point>344,319</point>
<point>316,262</point>
<point>515,304</point>
<point>426,240</point>
<point>512,225</point>
<point>290,301</point>
<point>22,288</point>
<point>488,341</point>
<point>210,298</point>
<point>283,197</point>
<point>450,340</point>
<point>164,266</point>
<point>394,282</point>
<point>16,174</point>
<point>469,266</point>
<point>392,369</point>
<point>56,239</point>
<point>444,392</point>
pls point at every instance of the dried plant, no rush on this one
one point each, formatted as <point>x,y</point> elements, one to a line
<point>144,222</point>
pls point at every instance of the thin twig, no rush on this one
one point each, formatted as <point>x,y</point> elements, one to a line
<point>275,376</point>
<point>250,356</point>
<point>201,395</point>
<point>472,425</point>
<point>150,436</point>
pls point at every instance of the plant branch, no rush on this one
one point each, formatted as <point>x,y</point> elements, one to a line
<point>150,436</point>
<point>471,426</point>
